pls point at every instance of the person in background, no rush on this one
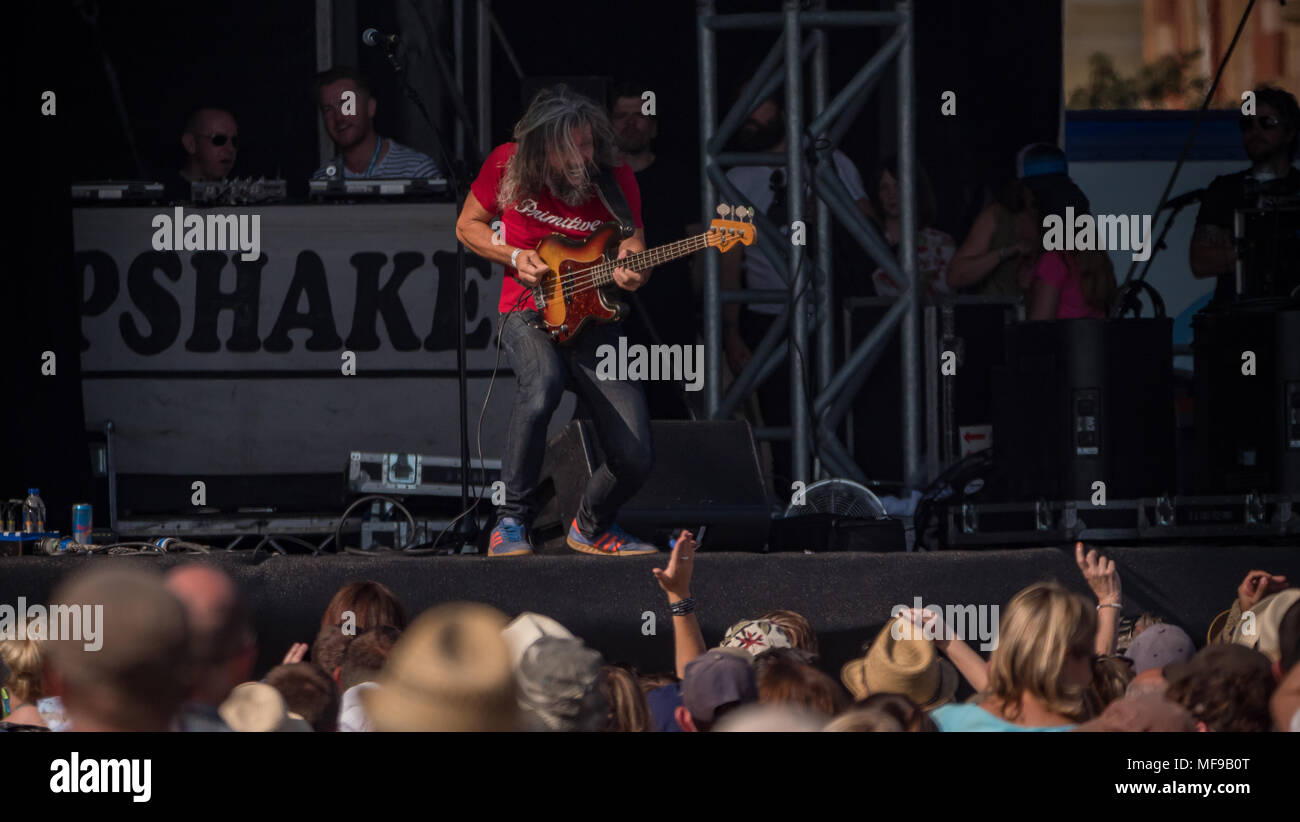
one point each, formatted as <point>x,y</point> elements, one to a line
<point>363,662</point>
<point>210,140</point>
<point>1065,284</point>
<point>309,692</point>
<point>1225,687</point>
<point>1004,238</point>
<point>1041,670</point>
<point>628,710</point>
<point>22,687</point>
<point>888,713</point>
<point>934,248</point>
<point>348,107</point>
<point>1270,137</point>
<point>221,633</point>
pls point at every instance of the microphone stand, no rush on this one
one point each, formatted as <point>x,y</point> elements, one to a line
<point>466,527</point>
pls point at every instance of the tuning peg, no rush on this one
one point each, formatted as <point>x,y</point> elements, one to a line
<point>742,212</point>
<point>723,210</point>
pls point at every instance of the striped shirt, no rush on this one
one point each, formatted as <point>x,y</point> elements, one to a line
<point>398,163</point>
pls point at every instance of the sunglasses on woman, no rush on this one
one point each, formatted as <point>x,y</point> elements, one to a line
<point>1266,122</point>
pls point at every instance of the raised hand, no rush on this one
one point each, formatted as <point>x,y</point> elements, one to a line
<point>1256,586</point>
<point>676,578</point>
<point>1100,574</point>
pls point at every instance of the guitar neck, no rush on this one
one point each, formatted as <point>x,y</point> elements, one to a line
<point>603,274</point>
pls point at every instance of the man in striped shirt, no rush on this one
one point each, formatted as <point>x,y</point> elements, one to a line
<point>347,107</point>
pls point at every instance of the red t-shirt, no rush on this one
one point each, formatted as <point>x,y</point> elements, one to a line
<point>527,222</point>
<point>1058,269</point>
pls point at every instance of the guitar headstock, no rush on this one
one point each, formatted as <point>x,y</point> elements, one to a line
<point>724,233</point>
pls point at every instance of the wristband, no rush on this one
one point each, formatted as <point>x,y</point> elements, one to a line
<point>514,257</point>
<point>682,608</point>
<point>1114,605</point>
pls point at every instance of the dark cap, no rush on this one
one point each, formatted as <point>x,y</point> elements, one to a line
<point>1221,658</point>
<point>722,676</point>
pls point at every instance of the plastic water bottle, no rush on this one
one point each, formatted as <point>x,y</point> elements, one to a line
<point>33,512</point>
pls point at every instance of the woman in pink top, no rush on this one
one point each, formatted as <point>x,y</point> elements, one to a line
<point>1066,285</point>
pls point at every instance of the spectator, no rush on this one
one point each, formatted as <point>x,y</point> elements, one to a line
<point>223,646</point>
<point>1103,578</point>
<point>716,682</point>
<point>328,651</point>
<point>1041,669</point>
<point>1225,687</point>
<point>902,661</point>
<point>370,604</point>
<point>139,678</point>
<point>348,107</point>
<point>785,677</point>
<point>255,707</point>
<point>450,671</point>
<point>628,709</point>
<point>1141,714</point>
<point>558,678</point>
<point>1003,241</point>
<point>934,248</point>
<point>1285,705</point>
<point>1065,284</point>
<point>24,660</point>
<point>744,326</point>
<point>675,581</point>
<point>771,718</point>
<point>797,628</point>
<point>1111,676</point>
<point>1158,646</point>
<point>756,636</point>
<point>884,712</point>
<point>308,692</point>
<point>210,139</point>
<point>363,661</point>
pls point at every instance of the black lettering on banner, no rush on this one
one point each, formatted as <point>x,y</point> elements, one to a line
<point>373,301</point>
<point>155,302</point>
<point>308,278</point>
<point>443,335</point>
<point>104,284</point>
<point>210,301</point>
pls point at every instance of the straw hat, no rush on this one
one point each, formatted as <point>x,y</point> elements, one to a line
<point>911,667</point>
<point>255,707</point>
<point>450,671</point>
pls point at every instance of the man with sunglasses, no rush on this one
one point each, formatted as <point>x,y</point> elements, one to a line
<point>1269,137</point>
<point>211,143</point>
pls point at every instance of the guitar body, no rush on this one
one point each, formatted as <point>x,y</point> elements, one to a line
<point>566,310</point>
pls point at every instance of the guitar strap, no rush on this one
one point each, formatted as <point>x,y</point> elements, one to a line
<point>611,194</point>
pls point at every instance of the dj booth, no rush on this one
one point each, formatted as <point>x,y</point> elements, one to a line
<point>339,337</point>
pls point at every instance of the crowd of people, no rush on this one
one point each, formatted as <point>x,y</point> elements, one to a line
<point>179,650</point>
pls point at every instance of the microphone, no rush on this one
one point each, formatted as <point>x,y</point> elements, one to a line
<point>1186,199</point>
<point>374,37</point>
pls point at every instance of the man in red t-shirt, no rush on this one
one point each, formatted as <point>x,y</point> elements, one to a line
<point>545,183</point>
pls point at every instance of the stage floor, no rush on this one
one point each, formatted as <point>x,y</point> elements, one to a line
<point>614,603</point>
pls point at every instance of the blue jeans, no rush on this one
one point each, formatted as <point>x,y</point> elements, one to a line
<point>618,411</point>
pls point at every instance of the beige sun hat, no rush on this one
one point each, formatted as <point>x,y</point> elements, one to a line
<point>910,666</point>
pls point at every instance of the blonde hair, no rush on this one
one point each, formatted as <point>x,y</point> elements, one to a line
<point>628,709</point>
<point>1041,627</point>
<point>26,661</point>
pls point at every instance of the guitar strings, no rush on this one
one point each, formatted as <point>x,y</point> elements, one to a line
<point>596,275</point>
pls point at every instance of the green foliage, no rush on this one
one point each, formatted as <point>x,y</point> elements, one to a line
<point>1163,84</point>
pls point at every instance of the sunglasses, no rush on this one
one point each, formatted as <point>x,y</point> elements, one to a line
<point>1267,122</point>
<point>219,139</point>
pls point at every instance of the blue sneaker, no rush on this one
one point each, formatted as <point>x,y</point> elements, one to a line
<point>509,539</point>
<point>615,542</point>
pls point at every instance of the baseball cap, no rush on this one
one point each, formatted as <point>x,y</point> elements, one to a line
<point>756,636</point>
<point>1039,159</point>
<point>718,677</point>
<point>1158,646</point>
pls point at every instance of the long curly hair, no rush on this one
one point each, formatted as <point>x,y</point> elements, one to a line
<point>547,157</point>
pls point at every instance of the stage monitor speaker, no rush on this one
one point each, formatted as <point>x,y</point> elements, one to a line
<point>1247,370</point>
<point>1082,401</point>
<point>705,474</point>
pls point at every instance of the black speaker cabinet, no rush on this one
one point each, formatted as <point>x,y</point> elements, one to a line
<point>1082,401</point>
<point>1248,424</point>
<point>705,474</point>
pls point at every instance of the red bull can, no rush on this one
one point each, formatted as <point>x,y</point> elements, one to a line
<point>81,523</point>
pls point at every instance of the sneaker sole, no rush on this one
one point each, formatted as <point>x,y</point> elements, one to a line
<point>591,549</point>
<point>520,553</point>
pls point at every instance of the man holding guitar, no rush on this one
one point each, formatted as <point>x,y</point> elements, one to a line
<point>549,181</point>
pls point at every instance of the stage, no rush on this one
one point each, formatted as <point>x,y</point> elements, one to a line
<point>846,596</point>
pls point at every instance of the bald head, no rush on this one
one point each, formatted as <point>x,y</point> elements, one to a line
<point>138,678</point>
<point>209,141</point>
<point>220,624</point>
